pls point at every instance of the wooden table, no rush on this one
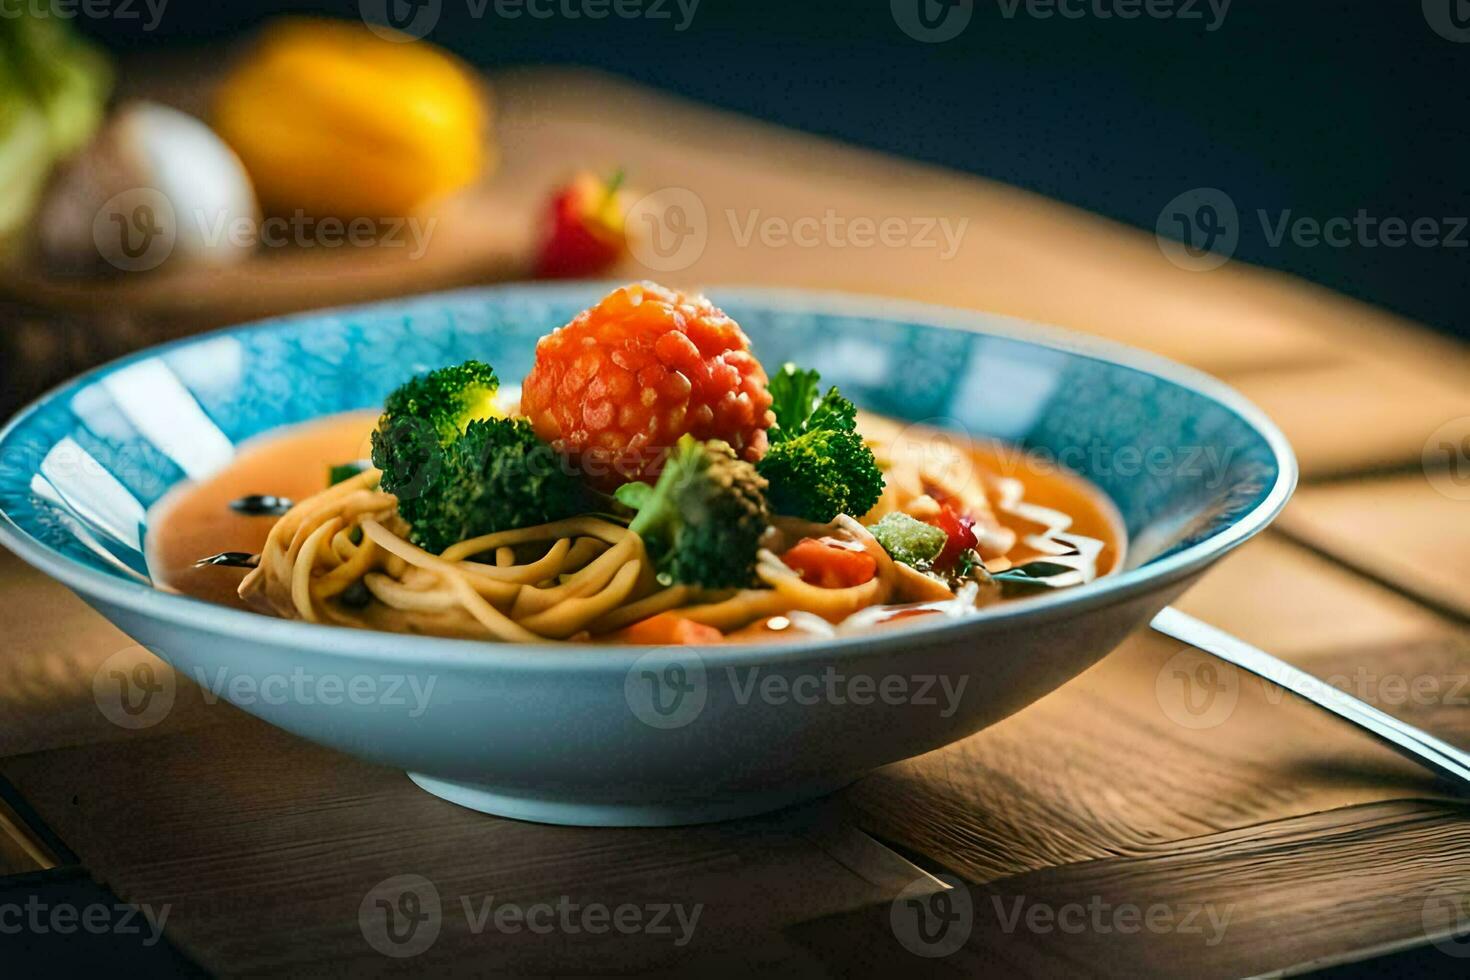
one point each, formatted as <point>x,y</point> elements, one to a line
<point>1111,828</point>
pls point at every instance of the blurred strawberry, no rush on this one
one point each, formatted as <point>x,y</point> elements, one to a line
<point>585,236</point>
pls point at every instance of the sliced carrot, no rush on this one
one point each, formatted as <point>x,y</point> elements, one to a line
<point>830,564</point>
<point>668,629</point>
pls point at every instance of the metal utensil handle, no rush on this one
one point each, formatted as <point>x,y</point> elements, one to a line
<point>1403,738</point>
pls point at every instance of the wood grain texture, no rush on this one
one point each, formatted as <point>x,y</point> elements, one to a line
<point>1282,597</point>
<point>1160,743</point>
<point>1356,415</point>
<point>1289,894</point>
<point>1413,530</point>
<point>265,846</point>
<point>55,646</point>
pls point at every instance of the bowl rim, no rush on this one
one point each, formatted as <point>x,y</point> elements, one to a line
<point>424,651</point>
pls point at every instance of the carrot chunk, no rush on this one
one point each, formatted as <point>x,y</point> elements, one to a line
<point>830,564</point>
<point>670,629</point>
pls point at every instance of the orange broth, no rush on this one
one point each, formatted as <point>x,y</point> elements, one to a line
<point>195,520</point>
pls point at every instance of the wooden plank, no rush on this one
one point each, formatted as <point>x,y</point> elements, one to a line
<point>1290,601</point>
<point>1356,415</point>
<point>1158,743</point>
<point>1291,894</point>
<point>1411,530</point>
<point>57,678</point>
<point>265,847</point>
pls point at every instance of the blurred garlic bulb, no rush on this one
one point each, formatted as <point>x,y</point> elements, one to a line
<point>155,186</point>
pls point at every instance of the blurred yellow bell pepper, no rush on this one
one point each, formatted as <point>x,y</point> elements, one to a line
<point>337,121</point>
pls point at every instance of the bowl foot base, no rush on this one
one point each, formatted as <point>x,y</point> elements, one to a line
<point>584,813</point>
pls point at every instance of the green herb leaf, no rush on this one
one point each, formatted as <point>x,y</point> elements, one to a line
<point>1037,576</point>
<point>633,495</point>
<point>794,394</point>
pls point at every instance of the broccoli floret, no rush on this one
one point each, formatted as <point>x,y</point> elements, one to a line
<point>420,419</point>
<point>449,399</point>
<point>821,474</point>
<point>496,476</point>
<point>458,468</point>
<point>909,540</point>
<point>702,522</point>
<point>818,466</point>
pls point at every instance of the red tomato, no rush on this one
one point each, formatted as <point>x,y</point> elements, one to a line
<point>960,532</point>
<point>830,564</point>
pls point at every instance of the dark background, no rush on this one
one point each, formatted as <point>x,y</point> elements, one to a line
<point>1322,108</point>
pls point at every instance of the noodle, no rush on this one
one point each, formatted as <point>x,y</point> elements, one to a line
<point>343,556</point>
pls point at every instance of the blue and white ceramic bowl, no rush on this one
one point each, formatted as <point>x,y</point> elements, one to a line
<point>609,735</point>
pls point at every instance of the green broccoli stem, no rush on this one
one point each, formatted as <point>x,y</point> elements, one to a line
<point>657,513</point>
